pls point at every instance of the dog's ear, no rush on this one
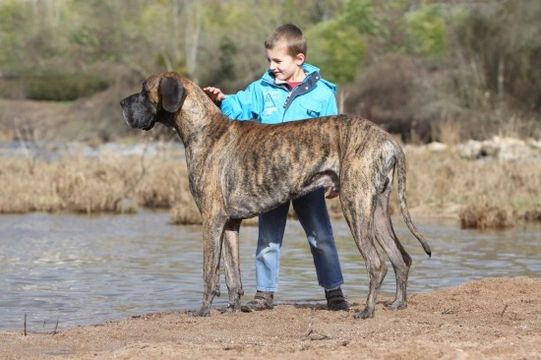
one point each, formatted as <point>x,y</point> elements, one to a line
<point>171,93</point>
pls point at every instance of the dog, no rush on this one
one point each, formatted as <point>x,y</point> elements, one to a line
<point>232,177</point>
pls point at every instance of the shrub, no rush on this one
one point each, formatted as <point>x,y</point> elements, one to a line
<point>485,215</point>
<point>62,87</point>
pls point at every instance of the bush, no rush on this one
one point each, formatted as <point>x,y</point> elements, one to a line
<point>62,87</point>
<point>486,215</point>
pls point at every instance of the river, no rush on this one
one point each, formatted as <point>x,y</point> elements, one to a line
<point>62,271</point>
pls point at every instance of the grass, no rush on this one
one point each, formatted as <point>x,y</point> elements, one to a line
<point>487,193</point>
<point>480,194</point>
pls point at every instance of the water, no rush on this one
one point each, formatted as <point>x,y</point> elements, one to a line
<point>77,270</point>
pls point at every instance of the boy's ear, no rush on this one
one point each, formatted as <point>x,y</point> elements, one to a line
<point>300,59</point>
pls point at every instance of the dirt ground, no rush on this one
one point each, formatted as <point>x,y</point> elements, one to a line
<point>496,318</point>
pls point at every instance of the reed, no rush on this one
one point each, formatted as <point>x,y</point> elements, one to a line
<point>479,194</point>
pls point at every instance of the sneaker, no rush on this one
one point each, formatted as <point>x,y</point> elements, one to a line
<point>336,300</point>
<point>262,301</point>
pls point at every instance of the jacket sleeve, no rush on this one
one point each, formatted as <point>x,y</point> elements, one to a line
<point>244,105</point>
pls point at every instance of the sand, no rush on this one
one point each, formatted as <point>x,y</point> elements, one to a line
<point>495,318</point>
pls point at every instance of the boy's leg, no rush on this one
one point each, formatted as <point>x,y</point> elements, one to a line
<point>267,261</point>
<point>314,218</point>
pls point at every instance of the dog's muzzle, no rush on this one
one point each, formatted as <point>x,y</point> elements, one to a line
<point>137,112</point>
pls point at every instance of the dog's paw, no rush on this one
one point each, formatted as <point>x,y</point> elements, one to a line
<point>233,307</point>
<point>203,312</point>
<point>365,314</point>
<point>396,305</point>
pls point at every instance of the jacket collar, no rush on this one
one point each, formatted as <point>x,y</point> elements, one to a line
<point>311,72</point>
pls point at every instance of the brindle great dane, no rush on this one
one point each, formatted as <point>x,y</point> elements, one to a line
<point>240,169</point>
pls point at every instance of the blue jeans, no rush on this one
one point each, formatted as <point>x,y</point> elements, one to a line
<point>311,210</point>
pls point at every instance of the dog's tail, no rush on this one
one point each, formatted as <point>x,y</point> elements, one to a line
<point>401,179</point>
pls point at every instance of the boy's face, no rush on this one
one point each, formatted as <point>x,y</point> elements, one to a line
<point>284,66</point>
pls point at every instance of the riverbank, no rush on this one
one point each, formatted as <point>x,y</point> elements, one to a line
<point>497,318</point>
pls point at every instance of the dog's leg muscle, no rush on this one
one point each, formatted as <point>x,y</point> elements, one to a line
<point>361,224</point>
<point>374,265</point>
<point>398,256</point>
<point>232,263</point>
<point>213,233</point>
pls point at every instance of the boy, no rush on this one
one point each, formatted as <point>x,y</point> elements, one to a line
<point>289,90</point>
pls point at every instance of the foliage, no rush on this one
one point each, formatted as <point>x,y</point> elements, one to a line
<point>475,62</point>
<point>502,44</point>
<point>426,31</point>
<point>338,45</point>
<point>337,49</point>
<point>12,15</point>
<point>360,14</point>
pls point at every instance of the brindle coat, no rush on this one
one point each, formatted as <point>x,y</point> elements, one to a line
<point>239,169</point>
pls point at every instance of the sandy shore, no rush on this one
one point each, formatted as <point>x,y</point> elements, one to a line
<point>497,318</point>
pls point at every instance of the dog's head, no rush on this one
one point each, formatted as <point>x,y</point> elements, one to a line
<point>161,97</point>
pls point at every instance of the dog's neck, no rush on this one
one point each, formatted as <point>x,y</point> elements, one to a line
<point>199,123</point>
<point>199,114</point>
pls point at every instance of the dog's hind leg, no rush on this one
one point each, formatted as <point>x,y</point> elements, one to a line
<point>231,256</point>
<point>388,240</point>
<point>359,214</point>
<point>213,233</point>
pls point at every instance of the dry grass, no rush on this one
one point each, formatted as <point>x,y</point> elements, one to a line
<point>486,193</point>
<point>111,183</point>
<point>481,194</point>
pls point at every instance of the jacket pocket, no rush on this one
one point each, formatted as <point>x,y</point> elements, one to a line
<point>310,108</point>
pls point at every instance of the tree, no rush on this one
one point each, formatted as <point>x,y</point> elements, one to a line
<point>338,45</point>
<point>13,15</point>
<point>426,31</point>
<point>500,44</point>
<point>337,49</point>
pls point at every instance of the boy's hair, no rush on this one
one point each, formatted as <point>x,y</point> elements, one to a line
<point>290,36</point>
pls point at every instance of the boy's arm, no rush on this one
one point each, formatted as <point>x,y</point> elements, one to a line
<point>244,105</point>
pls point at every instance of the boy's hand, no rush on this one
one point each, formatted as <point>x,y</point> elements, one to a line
<point>214,94</point>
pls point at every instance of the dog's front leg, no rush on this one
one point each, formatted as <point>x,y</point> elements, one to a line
<point>232,263</point>
<point>212,247</point>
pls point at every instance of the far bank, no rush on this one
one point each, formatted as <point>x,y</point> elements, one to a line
<point>490,184</point>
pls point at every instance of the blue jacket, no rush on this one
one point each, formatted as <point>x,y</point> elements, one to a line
<point>272,102</point>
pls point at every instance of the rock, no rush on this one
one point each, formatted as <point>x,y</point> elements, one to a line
<point>501,148</point>
<point>437,147</point>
